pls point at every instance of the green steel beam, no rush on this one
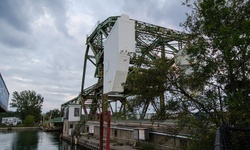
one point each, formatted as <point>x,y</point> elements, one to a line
<point>152,41</point>
<point>84,68</point>
<point>89,58</point>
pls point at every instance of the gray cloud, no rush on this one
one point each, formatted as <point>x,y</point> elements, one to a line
<point>20,15</point>
<point>167,13</point>
<point>58,10</point>
<point>42,43</point>
<point>13,38</point>
<point>14,14</point>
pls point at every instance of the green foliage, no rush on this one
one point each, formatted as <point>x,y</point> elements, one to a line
<point>27,103</point>
<point>219,39</point>
<point>148,83</point>
<point>201,129</point>
<point>145,146</point>
<point>218,46</point>
<point>29,120</point>
<point>55,113</point>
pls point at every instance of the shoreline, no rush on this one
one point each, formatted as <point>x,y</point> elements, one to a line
<point>18,128</point>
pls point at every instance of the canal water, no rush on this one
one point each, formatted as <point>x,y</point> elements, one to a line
<point>34,140</point>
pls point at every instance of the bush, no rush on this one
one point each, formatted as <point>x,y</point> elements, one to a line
<point>145,146</point>
<point>29,120</point>
<point>3,125</point>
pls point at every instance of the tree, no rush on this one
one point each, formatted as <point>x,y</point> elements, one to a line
<point>27,103</point>
<point>29,120</point>
<point>55,113</point>
<point>219,39</point>
<point>148,84</point>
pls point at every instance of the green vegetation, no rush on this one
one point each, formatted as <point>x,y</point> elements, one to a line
<point>219,39</point>
<point>29,121</point>
<point>217,88</point>
<point>27,103</point>
<point>55,113</point>
<point>145,146</point>
<point>50,116</point>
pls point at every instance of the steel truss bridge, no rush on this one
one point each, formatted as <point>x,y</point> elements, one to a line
<point>152,43</point>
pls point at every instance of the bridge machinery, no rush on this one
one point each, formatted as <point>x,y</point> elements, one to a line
<point>113,47</point>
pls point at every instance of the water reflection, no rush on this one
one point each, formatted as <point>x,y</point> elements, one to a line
<point>27,140</point>
<point>34,140</point>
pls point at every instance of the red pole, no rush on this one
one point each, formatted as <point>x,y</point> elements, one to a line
<point>101,131</point>
<point>108,132</point>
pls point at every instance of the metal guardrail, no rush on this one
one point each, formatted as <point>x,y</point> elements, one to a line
<point>91,88</point>
<point>129,119</point>
<point>232,138</point>
<point>86,91</point>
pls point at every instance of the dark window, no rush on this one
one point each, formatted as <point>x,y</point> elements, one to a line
<point>115,133</point>
<point>77,112</point>
<point>67,113</point>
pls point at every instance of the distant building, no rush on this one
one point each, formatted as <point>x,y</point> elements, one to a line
<point>4,95</point>
<point>11,120</point>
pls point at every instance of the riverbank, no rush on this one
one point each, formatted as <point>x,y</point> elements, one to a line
<point>19,128</point>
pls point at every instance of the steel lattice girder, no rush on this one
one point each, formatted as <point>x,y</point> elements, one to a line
<point>149,42</point>
<point>152,42</point>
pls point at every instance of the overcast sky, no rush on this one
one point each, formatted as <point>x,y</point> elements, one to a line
<point>42,42</point>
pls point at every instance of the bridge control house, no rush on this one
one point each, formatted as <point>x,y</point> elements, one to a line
<point>72,115</point>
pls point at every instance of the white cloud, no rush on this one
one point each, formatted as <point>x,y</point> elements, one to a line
<point>21,79</point>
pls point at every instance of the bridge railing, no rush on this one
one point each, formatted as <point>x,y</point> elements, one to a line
<point>229,138</point>
<point>130,119</point>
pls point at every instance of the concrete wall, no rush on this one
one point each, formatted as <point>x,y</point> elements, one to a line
<point>126,135</point>
<point>118,134</point>
<point>68,126</point>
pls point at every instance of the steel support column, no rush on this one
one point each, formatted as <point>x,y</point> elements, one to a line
<point>108,131</point>
<point>101,131</point>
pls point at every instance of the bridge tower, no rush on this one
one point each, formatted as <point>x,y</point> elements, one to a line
<point>151,42</point>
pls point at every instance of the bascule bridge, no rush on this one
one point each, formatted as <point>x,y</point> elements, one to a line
<point>110,51</point>
<point>114,48</point>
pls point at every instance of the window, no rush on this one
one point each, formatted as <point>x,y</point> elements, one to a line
<point>77,112</point>
<point>115,133</point>
<point>66,116</point>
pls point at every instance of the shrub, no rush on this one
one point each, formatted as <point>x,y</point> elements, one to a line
<point>29,120</point>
